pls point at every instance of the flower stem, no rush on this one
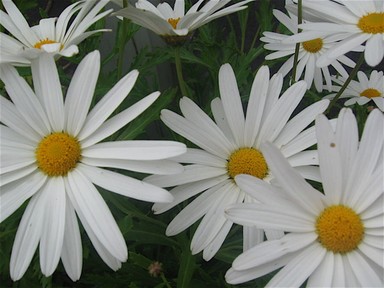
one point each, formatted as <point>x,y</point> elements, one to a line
<point>165,281</point>
<point>351,76</point>
<point>297,47</point>
<point>179,72</point>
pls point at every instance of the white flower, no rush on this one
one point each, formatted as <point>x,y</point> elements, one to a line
<point>358,21</point>
<point>363,90</point>
<point>57,36</point>
<point>50,153</point>
<point>309,52</point>
<point>167,21</point>
<point>335,238</point>
<point>230,146</point>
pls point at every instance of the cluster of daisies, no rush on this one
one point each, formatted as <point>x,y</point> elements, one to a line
<point>248,166</point>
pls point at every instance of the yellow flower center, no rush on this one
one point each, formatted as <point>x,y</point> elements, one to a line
<point>339,228</point>
<point>44,42</point>
<point>247,161</point>
<point>372,23</point>
<point>313,46</point>
<point>370,93</point>
<point>173,22</point>
<point>57,154</point>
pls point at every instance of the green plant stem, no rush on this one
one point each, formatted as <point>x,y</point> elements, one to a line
<point>122,43</point>
<point>351,76</point>
<point>297,47</point>
<point>165,281</point>
<point>179,71</point>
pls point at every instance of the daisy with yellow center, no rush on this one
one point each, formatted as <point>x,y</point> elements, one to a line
<point>56,36</point>
<point>50,153</point>
<point>353,23</point>
<point>366,89</point>
<point>333,238</point>
<point>309,52</point>
<point>228,146</point>
<point>173,23</point>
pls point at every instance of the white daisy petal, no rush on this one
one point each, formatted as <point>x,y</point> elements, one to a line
<point>369,149</point>
<point>256,104</point>
<point>267,218</point>
<point>252,236</point>
<point>20,22</point>
<point>91,208</point>
<point>293,183</point>
<point>213,221</point>
<point>231,102</point>
<point>50,89</point>
<point>347,137</point>
<point>24,99</point>
<point>10,138</point>
<point>265,193</point>
<point>194,133</point>
<point>71,254</point>
<point>12,118</point>
<point>160,167</point>
<point>271,250</point>
<point>298,270</point>
<point>13,159</point>
<point>118,121</point>
<point>190,174</point>
<point>220,119</point>
<point>27,236</point>
<point>183,192</point>
<point>374,50</point>
<point>135,150</point>
<point>329,159</point>
<point>195,210</point>
<point>52,235</point>
<point>198,156</point>
<point>308,157</point>
<point>239,276</point>
<point>300,121</point>
<point>15,175</point>
<point>80,92</point>
<point>281,112</point>
<point>372,193</point>
<point>211,249</point>
<point>13,195</point>
<point>103,251</point>
<point>194,114</point>
<point>322,276</point>
<point>363,270</point>
<point>108,104</point>
<point>373,253</point>
<point>125,185</point>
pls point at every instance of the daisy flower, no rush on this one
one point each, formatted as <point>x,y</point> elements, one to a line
<point>363,90</point>
<point>57,36</point>
<point>360,22</point>
<point>174,23</point>
<point>230,146</point>
<point>50,153</point>
<point>309,52</point>
<point>335,238</point>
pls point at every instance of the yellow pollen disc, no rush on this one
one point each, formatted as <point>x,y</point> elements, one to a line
<point>173,22</point>
<point>247,161</point>
<point>372,23</point>
<point>313,46</point>
<point>44,42</point>
<point>339,228</point>
<point>370,93</point>
<point>57,154</point>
